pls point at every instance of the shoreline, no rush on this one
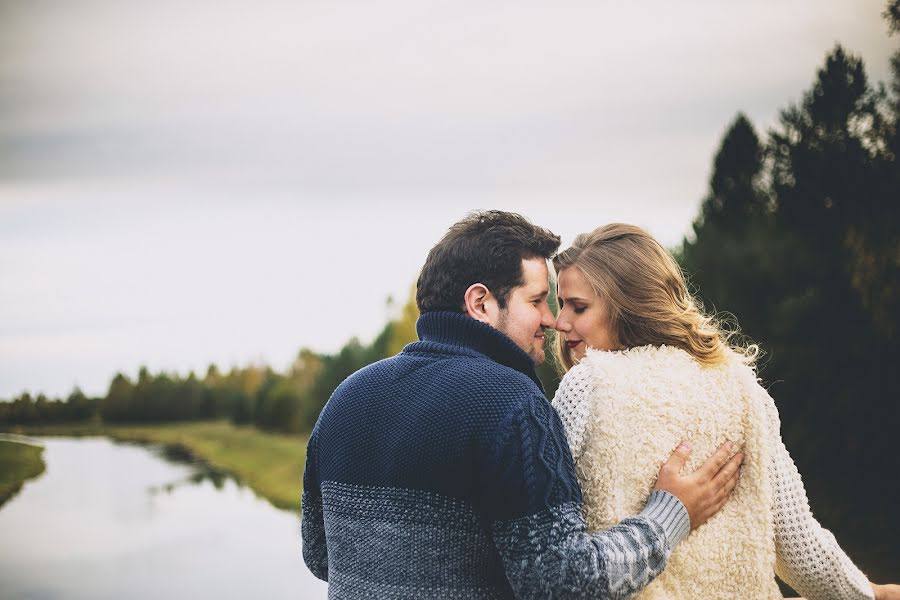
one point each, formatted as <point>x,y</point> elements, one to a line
<point>270,464</point>
<point>20,462</point>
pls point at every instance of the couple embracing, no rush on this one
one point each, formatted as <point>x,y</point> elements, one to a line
<point>443,472</point>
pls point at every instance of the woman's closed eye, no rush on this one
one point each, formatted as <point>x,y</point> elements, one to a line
<point>576,308</point>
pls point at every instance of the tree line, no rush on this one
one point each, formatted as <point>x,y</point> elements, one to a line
<point>799,239</point>
<point>286,402</point>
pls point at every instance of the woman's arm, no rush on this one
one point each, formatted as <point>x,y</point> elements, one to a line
<point>572,403</point>
<point>808,558</point>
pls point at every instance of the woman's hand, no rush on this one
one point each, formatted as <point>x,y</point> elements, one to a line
<point>886,592</point>
<point>706,490</point>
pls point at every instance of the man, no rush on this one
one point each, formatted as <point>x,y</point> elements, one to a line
<point>443,472</point>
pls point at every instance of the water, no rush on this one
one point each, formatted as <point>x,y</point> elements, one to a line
<point>110,520</point>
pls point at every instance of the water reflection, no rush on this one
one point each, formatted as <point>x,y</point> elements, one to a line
<point>201,471</point>
<point>216,478</point>
<point>111,520</point>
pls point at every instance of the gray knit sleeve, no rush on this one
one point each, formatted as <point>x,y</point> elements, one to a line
<point>550,555</point>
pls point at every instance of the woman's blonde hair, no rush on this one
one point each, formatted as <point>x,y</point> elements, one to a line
<point>646,296</point>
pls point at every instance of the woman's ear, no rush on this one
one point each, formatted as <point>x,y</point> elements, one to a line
<point>481,304</point>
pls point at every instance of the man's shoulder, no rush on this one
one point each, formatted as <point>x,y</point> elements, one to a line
<point>457,384</point>
<point>480,379</point>
<point>465,369</point>
<point>489,371</point>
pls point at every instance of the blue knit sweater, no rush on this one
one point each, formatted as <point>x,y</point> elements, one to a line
<point>443,472</point>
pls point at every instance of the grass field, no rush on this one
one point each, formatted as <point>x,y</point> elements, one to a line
<point>18,463</point>
<point>270,464</point>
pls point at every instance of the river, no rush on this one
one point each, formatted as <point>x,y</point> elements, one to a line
<point>113,520</point>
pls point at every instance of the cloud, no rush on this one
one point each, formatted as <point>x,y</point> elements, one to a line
<point>170,167</point>
<point>398,94</point>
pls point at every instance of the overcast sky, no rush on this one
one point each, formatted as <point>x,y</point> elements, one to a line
<point>229,180</point>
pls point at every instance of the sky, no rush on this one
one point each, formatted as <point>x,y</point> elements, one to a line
<point>227,181</point>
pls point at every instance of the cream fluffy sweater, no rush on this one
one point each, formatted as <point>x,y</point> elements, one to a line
<point>624,413</point>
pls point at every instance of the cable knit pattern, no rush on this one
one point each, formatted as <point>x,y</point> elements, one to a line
<point>542,431</point>
<point>624,412</point>
<point>443,472</point>
<point>550,555</point>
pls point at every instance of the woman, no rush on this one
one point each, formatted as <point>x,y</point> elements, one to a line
<point>646,369</point>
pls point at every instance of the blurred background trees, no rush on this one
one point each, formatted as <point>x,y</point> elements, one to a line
<point>253,395</point>
<point>799,238</point>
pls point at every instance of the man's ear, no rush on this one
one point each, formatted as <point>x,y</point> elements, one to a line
<point>481,304</point>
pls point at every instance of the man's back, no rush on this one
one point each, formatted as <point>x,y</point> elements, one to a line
<point>401,451</point>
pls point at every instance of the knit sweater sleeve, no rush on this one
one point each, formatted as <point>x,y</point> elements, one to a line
<point>533,501</point>
<point>572,403</point>
<point>808,558</point>
<point>312,522</point>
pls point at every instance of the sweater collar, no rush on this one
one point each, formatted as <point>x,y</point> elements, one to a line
<point>447,328</point>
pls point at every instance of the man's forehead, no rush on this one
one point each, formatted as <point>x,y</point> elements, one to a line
<point>535,275</point>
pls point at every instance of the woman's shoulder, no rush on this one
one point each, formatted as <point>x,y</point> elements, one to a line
<point>577,375</point>
<point>637,360</point>
<point>574,389</point>
<point>663,371</point>
<point>641,359</point>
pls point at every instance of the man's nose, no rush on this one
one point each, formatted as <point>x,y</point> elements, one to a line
<point>548,321</point>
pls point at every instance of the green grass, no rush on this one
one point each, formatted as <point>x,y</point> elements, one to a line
<point>18,464</point>
<point>270,464</point>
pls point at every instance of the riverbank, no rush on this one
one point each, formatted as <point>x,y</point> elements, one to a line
<point>270,464</point>
<point>18,464</point>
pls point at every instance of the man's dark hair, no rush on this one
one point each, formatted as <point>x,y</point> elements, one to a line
<point>485,247</point>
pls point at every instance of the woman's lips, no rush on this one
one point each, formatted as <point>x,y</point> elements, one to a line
<point>572,343</point>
